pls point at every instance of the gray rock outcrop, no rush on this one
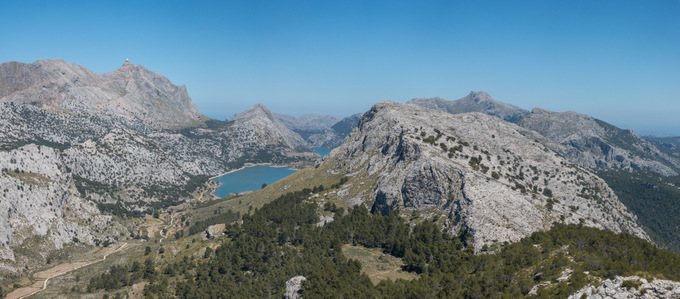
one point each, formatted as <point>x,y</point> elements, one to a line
<point>293,287</point>
<point>630,287</point>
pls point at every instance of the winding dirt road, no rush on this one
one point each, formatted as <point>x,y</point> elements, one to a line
<point>43,277</point>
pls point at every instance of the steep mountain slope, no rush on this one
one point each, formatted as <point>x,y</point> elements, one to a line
<point>476,101</point>
<point>131,91</point>
<point>668,145</point>
<point>594,144</point>
<point>489,181</point>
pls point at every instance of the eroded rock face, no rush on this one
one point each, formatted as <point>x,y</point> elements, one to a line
<point>484,174</point>
<point>597,145</point>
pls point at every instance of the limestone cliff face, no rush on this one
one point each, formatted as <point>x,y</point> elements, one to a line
<point>131,91</point>
<point>476,101</point>
<point>595,144</point>
<point>42,210</point>
<point>484,174</point>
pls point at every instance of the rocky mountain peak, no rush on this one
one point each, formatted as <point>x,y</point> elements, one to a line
<point>131,91</point>
<point>484,175</point>
<point>478,96</point>
<point>256,111</point>
<point>258,126</point>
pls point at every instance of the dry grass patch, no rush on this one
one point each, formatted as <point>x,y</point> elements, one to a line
<point>378,265</point>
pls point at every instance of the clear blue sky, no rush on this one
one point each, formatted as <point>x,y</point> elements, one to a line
<point>616,60</point>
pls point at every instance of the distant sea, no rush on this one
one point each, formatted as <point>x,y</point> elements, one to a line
<point>322,151</point>
<point>250,179</point>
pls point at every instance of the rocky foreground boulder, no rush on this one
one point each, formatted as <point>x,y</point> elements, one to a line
<point>630,287</point>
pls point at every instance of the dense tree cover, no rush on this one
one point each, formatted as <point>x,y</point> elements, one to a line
<point>120,275</point>
<point>654,199</point>
<point>668,145</point>
<point>282,240</point>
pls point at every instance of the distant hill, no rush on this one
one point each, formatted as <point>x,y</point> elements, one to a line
<point>476,101</point>
<point>321,130</point>
<point>596,144</point>
<point>257,126</point>
<point>307,122</point>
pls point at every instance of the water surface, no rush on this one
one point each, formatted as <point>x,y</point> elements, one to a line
<point>322,151</point>
<point>250,179</point>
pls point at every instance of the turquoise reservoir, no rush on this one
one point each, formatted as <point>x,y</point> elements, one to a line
<point>250,179</point>
<point>322,151</point>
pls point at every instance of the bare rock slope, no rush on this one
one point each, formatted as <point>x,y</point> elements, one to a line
<point>484,175</point>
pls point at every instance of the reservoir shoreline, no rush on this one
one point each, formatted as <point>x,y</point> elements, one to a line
<point>249,178</point>
<point>251,165</point>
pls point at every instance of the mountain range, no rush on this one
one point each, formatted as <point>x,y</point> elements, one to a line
<point>84,156</point>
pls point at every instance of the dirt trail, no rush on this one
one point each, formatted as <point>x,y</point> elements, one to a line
<point>43,277</point>
<point>167,231</point>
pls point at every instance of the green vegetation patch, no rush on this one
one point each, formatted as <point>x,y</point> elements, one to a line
<point>30,178</point>
<point>654,199</point>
